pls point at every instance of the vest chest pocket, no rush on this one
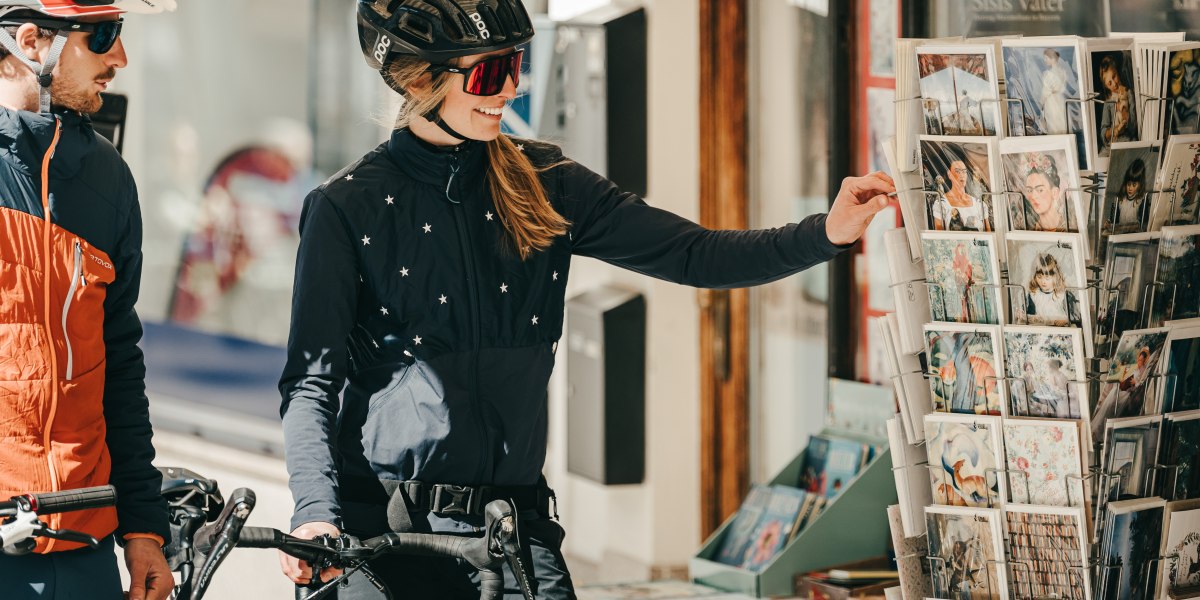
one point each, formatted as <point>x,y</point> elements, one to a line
<point>89,272</point>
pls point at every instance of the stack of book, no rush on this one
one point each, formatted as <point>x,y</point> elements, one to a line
<point>771,516</point>
<point>1045,349</point>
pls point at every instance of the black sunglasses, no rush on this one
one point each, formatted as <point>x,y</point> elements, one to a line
<point>102,34</point>
<point>487,77</point>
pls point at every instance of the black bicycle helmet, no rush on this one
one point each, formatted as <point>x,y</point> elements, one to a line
<point>439,30</point>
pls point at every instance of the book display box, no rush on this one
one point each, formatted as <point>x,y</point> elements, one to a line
<point>853,526</point>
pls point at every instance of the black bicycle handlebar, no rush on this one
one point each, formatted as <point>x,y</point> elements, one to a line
<point>216,540</point>
<point>49,503</point>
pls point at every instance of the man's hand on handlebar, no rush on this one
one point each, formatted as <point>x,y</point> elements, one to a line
<point>298,570</point>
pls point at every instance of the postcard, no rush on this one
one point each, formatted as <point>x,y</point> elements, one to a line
<point>1050,545</point>
<point>1181,369</point>
<point>1130,449</point>
<point>1181,456</point>
<point>1132,170</point>
<point>1041,178</point>
<point>965,456</point>
<point>966,368</point>
<point>962,184</point>
<point>967,548</point>
<point>1045,462</point>
<point>1178,184</point>
<point>1112,78</point>
<point>959,89</point>
<point>1176,286</point>
<point>1180,577</point>
<point>962,274</point>
<point>1127,286</point>
<point>1127,388</point>
<point>1047,275</point>
<point>1046,371</point>
<point>1044,81</point>
<point>1131,544</point>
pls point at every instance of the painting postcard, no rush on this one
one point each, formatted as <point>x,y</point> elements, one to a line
<point>1132,170</point>
<point>959,89</point>
<point>1126,288</point>
<point>1130,549</point>
<point>1045,87</point>
<point>1130,448</point>
<point>962,275</point>
<point>968,546</point>
<point>1051,545</point>
<point>1181,368</point>
<point>1047,275</point>
<point>1046,371</point>
<point>965,366</point>
<point>1181,456</point>
<point>1115,118</point>
<point>966,457</point>
<point>1045,462</point>
<point>961,183</point>
<point>1180,577</point>
<point>1176,283</point>
<point>1128,387</point>
<point>1042,185</point>
<point>1176,194</point>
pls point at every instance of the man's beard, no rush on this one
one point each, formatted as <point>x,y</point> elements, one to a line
<point>81,101</point>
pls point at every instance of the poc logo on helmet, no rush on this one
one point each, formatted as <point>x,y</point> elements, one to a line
<point>481,26</point>
<point>381,47</point>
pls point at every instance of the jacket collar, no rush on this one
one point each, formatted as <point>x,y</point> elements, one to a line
<point>26,136</point>
<point>425,162</point>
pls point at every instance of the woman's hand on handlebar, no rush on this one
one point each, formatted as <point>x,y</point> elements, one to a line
<point>300,571</point>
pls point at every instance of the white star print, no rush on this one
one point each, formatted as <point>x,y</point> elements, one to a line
<point>443,299</point>
<point>535,319</point>
<point>521,147</point>
<point>390,200</point>
<point>428,228</point>
<point>417,340</point>
<point>554,277</point>
<point>404,271</point>
<point>489,215</point>
<point>383,310</point>
<point>366,241</point>
<point>350,177</point>
<point>504,288</point>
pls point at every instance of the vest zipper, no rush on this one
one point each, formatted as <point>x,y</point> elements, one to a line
<point>76,277</point>
<point>472,290</point>
<point>47,270</point>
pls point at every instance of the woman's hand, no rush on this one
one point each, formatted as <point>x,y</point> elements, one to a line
<point>859,200</point>
<point>300,571</point>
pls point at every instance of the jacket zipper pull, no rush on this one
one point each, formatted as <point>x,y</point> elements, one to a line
<point>453,172</point>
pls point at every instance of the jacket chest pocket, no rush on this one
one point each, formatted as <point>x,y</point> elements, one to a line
<point>88,273</point>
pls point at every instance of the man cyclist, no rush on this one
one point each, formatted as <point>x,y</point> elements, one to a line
<point>73,408</point>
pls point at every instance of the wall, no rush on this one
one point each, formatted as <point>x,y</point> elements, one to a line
<point>655,523</point>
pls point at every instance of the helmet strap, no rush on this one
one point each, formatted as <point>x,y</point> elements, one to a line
<point>435,117</point>
<point>43,71</point>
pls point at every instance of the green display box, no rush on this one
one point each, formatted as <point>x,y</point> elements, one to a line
<point>853,527</point>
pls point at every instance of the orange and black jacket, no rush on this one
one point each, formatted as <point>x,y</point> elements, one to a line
<point>73,408</point>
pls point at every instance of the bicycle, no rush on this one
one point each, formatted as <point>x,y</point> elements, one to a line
<point>200,551</point>
<point>20,526</point>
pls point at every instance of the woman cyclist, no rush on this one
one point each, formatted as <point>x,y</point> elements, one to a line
<point>430,282</point>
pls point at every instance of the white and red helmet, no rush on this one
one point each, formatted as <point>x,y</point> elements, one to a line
<point>80,8</point>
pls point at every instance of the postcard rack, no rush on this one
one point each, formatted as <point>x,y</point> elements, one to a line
<point>852,527</point>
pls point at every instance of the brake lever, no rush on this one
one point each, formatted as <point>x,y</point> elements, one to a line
<point>508,537</point>
<point>68,535</point>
